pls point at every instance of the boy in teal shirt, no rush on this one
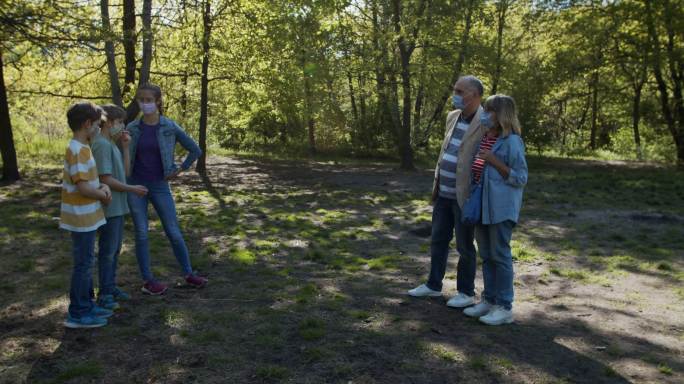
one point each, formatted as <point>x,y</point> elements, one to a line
<point>112,164</point>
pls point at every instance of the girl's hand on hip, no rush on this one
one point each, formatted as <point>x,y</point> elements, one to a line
<point>174,174</point>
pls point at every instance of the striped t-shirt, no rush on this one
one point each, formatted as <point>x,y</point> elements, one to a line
<point>447,164</point>
<point>79,213</point>
<point>486,144</point>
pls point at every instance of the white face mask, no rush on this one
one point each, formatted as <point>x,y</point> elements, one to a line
<point>116,129</point>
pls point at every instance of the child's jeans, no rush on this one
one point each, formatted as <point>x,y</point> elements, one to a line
<point>159,194</point>
<point>81,277</point>
<point>111,236</point>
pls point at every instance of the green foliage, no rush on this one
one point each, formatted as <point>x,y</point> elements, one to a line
<point>287,77</point>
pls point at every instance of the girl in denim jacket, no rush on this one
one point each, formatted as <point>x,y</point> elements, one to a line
<point>502,167</point>
<point>152,146</point>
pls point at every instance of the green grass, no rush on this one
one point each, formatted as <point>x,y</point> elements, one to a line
<point>272,373</point>
<point>26,264</point>
<point>243,256</point>
<point>307,281</point>
<point>359,315</point>
<point>526,253</point>
<point>385,262</point>
<point>665,370</point>
<point>446,354</point>
<point>306,294</point>
<point>205,336</point>
<point>81,370</point>
<point>311,329</point>
<point>477,363</point>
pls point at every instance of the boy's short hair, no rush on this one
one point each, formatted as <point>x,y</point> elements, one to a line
<point>114,112</point>
<point>79,113</point>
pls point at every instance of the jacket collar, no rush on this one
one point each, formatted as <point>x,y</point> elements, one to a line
<point>500,141</point>
<point>163,122</point>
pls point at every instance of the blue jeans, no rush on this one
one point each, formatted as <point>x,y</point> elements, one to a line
<point>494,243</point>
<point>446,217</point>
<point>159,194</point>
<point>111,236</point>
<point>83,252</point>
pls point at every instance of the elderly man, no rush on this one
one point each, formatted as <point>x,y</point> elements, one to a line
<point>450,190</point>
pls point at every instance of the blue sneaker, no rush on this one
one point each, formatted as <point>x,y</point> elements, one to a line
<point>108,302</point>
<point>100,312</point>
<point>121,295</point>
<point>87,321</point>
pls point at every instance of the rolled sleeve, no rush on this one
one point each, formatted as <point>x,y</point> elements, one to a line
<point>517,175</point>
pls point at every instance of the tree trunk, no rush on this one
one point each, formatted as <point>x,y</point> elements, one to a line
<point>501,9</point>
<point>417,113</point>
<point>676,65</point>
<point>458,65</point>
<point>352,99</point>
<point>109,52</point>
<point>636,116</point>
<point>147,42</point>
<point>594,109</point>
<point>132,110</point>
<point>10,168</point>
<point>403,124</point>
<point>362,99</point>
<point>308,106</point>
<point>656,62</point>
<point>129,42</point>
<point>204,88</point>
<point>184,96</point>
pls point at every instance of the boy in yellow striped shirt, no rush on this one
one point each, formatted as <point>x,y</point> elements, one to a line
<point>82,214</point>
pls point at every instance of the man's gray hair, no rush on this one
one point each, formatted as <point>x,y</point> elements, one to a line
<point>474,82</point>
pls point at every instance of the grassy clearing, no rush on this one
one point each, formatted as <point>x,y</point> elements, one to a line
<point>307,280</point>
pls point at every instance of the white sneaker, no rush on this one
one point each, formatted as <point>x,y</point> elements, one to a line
<point>478,310</point>
<point>423,291</point>
<point>461,300</point>
<point>497,316</point>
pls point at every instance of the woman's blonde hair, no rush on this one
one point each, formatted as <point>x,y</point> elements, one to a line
<point>506,116</point>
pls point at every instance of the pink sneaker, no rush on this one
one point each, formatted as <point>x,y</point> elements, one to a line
<point>196,281</point>
<point>154,288</point>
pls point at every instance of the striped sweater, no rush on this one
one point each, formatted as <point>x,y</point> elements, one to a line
<point>79,213</point>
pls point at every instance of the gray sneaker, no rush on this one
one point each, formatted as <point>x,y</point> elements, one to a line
<point>478,310</point>
<point>497,316</point>
<point>423,291</point>
<point>461,301</point>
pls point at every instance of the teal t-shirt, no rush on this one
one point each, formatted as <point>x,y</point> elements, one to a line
<point>109,161</point>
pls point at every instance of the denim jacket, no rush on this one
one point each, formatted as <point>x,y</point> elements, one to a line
<point>502,198</point>
<point>168,134</point>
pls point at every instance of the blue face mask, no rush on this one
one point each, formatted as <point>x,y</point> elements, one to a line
<point>486,119</point>
<point>457,102</point>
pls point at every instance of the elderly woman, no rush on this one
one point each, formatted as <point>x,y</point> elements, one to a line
<point>501,167</point>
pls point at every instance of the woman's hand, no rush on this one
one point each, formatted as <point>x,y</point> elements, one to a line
<point>486,155</point>
<point>494,161</point>
<point>174,174</point>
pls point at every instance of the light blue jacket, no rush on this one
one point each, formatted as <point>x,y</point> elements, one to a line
<point>502,199</point>
<point>168,135</point>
